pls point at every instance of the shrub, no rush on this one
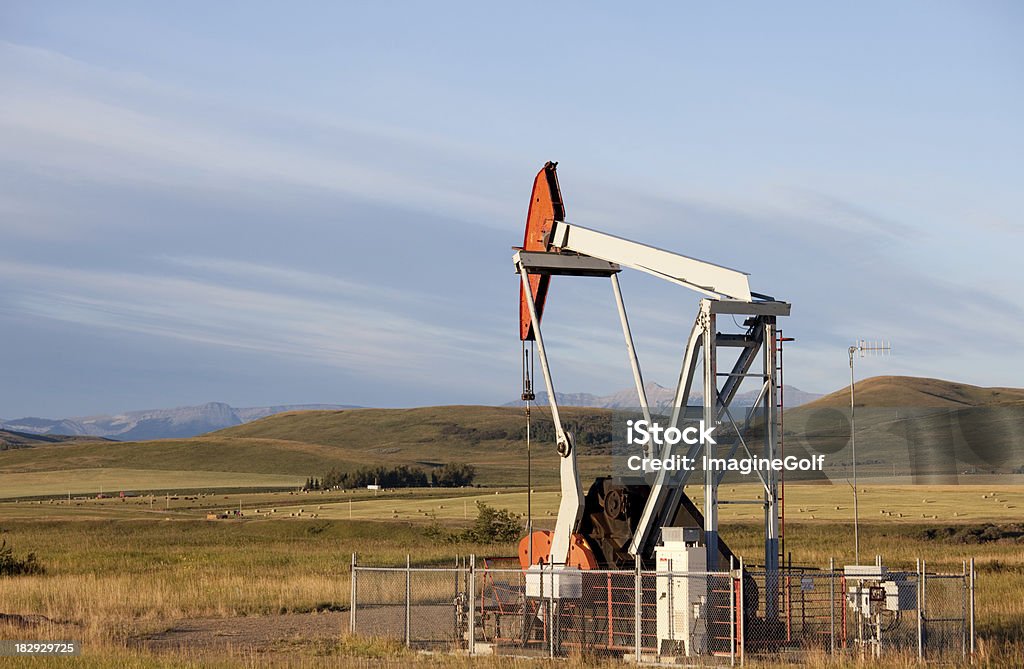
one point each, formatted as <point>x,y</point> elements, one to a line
<point>12,566</point>
<point>493,526</point>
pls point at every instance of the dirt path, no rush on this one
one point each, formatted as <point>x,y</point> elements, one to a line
<point>431,625</point>
<point>250,633</point>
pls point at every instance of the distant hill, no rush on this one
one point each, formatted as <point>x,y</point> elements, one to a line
<point>180,422</point>
<point>309,443</point>
<point>930,429</point>
<point>913,391</point>
<point>11,439</point>
<point>659,396</point>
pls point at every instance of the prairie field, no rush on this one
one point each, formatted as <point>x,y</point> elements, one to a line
<point>119,572</point>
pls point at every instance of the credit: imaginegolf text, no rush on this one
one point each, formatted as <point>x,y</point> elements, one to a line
<point>643,434</point>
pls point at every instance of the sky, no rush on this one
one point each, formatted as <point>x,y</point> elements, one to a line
<point>273,203</point>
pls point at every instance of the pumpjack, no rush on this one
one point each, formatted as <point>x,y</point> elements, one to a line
<point>619,524</point>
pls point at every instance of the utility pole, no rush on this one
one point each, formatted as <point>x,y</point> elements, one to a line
<point>863,348</point>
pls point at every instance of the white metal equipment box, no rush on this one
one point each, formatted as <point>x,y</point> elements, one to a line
<point>682,594</point>
<point>900,595</point>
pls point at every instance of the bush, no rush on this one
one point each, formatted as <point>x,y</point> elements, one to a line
<point>12,566</point>
<point>493,526</point>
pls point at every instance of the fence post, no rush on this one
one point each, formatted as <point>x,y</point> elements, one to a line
<point>471,596</point>
<point>638,594</point>
<point>832,603</point>
<point>963,610</point>
<point>352,599</point>
<point>408,601</point>
<point>732,611</point>
<point>920,607</point>
<point>743,617</point>
<point>972,608</point>
<point>551,609</point>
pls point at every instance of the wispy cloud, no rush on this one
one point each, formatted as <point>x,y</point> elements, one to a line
<point>104,159</point>
<point>358,327</point>
<point>68,118</point>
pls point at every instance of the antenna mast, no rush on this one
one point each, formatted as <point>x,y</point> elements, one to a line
<point>863,348</point>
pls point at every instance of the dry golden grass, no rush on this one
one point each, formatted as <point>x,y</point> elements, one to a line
<point>109,580</point>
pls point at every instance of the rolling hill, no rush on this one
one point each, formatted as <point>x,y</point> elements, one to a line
<point>308,443</point>
<point>921,429</point>
<point>912,391</point>
<point>939,428</point>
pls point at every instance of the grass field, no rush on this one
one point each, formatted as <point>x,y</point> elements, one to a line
<point>805,503</point>
<point>122,570</point>
<point>118,570</point>
<point>113,480</point>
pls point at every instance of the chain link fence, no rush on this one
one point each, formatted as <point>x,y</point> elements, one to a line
<point>659,616</point>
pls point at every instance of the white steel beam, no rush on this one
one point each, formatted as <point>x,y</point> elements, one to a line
<point>770,361</point>
<point>664,482</point>
<point>641,392</point>
<point>710,418</point>
<point>704,277</point>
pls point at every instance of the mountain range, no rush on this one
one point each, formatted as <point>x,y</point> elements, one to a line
<point>660,397</point>
<point>180,422</point>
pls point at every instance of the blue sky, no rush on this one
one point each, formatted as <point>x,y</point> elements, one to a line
<point>261,204</point>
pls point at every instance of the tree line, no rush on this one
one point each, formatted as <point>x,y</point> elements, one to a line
<point>450,475</point>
